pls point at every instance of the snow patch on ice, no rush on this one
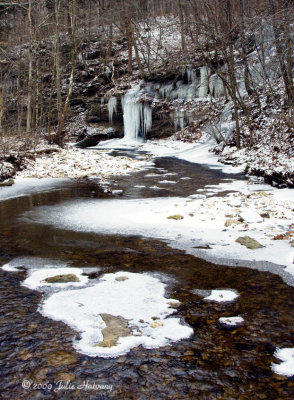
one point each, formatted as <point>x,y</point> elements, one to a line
<point>231,321</point>
<point>222,295</point>
<point>286,367</point>
<point>148,315</point>
<point>23,187</point>
<point>32,263</point>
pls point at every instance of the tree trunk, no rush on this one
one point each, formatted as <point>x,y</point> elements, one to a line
<point>59,133</point>
<point>57,57</point>
<point>130,44</point>
<point>1,110</point>
<point>30,73</point>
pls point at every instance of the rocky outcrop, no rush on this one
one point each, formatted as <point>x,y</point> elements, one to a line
<point>93,140</point>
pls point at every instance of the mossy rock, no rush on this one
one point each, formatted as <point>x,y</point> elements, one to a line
<point>67,278</point>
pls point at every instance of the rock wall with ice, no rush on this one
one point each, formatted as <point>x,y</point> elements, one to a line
<point>196,83</point>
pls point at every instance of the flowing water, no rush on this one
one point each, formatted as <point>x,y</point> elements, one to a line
<point>215,363</point>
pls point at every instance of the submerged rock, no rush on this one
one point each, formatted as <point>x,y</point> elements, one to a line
<point>249,242</point>
<point>62,279</point>
<point>116,326</point>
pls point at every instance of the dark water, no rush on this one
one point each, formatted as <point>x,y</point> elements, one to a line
<point>215,363</point>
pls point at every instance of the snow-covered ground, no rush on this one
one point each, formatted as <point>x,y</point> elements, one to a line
<point>72,162</point>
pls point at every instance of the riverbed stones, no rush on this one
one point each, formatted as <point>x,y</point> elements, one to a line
<point>59,358</point>
<point>249,242</point>
<point>116,326</point>
<point>65,377</point>
<point>67,278</point>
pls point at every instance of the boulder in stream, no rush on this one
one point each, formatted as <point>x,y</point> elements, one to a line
<point>116,326</point>
<point>249,242</point>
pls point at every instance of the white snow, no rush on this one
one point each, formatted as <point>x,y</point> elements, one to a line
<point>231,321</point>
<point>166,182</point>
<point>72,162</point>
<point>250,215</point>
<point>193,152</point>
<point>286,367</point>
<point>81,310</point>
<point>222,295</point>
<point>9,268</point>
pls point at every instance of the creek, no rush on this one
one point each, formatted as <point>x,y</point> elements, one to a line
<point>216,362</point>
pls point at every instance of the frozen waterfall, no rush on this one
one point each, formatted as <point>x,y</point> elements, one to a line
<point>137,116</point>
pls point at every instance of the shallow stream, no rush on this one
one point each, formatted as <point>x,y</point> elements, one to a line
<point>215,363</point>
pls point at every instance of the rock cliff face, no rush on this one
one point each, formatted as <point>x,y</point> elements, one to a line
<point>154,108</point>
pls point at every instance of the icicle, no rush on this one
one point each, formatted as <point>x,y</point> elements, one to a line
<point>112,107</point>
<point>147,119</point>
<point>216,86</point>
<point>191,74</point>
<point>166,90</point>
<point>179,119</point>
<point>203,91</point>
